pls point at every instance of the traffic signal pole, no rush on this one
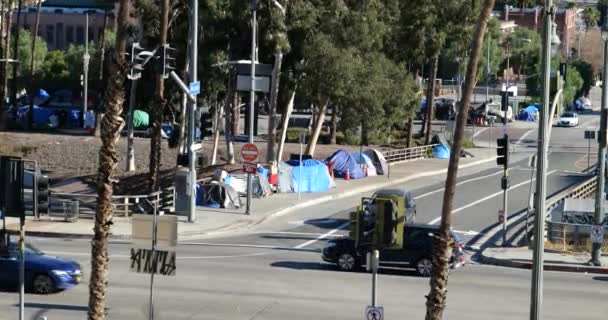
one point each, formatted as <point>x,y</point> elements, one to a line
<point>191,110</point>
<point>251,96</point>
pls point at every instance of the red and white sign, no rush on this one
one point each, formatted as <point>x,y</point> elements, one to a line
<point>249,167</point>
<point>249,152</point>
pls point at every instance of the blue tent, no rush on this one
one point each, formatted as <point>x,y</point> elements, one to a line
<point>343,160</point>
<point>363,159</point>
<point>442,151</point>
<point>315,176</point>
<point>41,116</point>
<point>529,113</point>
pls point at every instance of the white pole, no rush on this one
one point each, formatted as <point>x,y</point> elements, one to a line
<point>191,111</point>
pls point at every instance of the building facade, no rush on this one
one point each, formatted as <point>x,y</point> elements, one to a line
<point>532,18</point>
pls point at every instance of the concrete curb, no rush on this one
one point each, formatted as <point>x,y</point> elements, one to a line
<point>526,264</point>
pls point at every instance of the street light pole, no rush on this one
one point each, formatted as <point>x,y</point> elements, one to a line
<point>86,58</point>
<point>505,184</point>
<point>536,299</point>
<point>191,110</point>
<point>596,251</point>
<point>251,96</point>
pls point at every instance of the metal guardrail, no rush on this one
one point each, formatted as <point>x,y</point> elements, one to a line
<point>584,189</point>
<point>408,154</point>
<point>124,205</point>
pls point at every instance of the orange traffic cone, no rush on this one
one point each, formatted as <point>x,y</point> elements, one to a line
<point>347,176</point>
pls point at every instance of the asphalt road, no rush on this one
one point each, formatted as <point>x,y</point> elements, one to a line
<point>275,272</point>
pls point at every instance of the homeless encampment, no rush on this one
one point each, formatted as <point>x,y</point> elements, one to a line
<point>314,178</point>
<point>217,194</point>
<point>378,160</point>
<point>344,161</point>
<point>365,162</point>
<point>261,187</point>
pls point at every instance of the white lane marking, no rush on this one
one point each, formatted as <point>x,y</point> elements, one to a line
<point>467,233</point>
<point>292,233</point>
<point>236,245</point>
<point>323,236</point>
<point>122,256</point>
<point>523,136</point>
<point>434,221</point>
<point>479,132</point>
<point>459,183</point>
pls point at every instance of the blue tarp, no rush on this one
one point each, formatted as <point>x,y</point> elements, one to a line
<point>41,116</point>
<point>442,152</point>
<point>529,113</point>
<point>315,177</point>
<point>343,160</point>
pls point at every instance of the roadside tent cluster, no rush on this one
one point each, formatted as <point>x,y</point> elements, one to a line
<point>530,113</point>
<point>309,176</point>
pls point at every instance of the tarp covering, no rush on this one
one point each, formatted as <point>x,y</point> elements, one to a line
<point>141,119</point>
<point>217,194</point>
<point>261,187</point>
<point>379,161</point>
<point>342,161</point>
<point>362,159</point>
<point>42,117</point>
<point>442,152</point>
<point>285,178</point>
<point>315,176</point>
<point>529,113</point>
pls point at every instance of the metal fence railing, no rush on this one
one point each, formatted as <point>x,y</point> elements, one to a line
<point>582,190</point>
<point>408,154</point>
<point>63,204</point>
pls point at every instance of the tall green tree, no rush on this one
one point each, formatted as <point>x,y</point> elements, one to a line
<point>591,17</point>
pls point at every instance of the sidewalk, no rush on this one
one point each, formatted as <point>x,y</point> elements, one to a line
<point>521,257</point>
<point>212,221</point>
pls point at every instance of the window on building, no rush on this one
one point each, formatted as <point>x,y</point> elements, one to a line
<point>50,34</point>
<point>59,37</point>
<point>69,34</point>
<point>80,35</point>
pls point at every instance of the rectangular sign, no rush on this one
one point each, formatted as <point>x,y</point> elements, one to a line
<point>157,262</point>
<point>11,187</point>
<point>195,88</point>
<point>142,230</point>
<point>262,84</point>
<point>250,167</point>
<point>589,134</point>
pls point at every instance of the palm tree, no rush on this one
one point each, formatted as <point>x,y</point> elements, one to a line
<point>443,243</point>
<point>111,126</point>
<point>6,55</point>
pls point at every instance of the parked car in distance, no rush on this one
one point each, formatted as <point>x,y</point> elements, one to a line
<point>415,254</point>
<point>568,119</point>
<point>43,273</point>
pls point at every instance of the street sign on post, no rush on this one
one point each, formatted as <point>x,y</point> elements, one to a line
<point>250,167</point>
<point>597,234</point>
<point>589,134</point>
<point>501,216</point>
<point>249,152</point>
<point>374,313</point>
<point>195,88</point>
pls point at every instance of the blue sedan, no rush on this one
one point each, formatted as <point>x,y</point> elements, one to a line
<point>43,274</point>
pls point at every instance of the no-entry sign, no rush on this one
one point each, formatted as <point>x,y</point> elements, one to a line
<point>249,152</point>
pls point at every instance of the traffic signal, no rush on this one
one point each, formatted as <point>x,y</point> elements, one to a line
<point>387,222</point>
<point>206,125</point>
<point>136,65</point>
<point>43,195</point>
<point>167,60</point>
<point>502,151</point>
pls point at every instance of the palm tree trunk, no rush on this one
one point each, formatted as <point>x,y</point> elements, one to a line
<point>312,143</point>
<point>4,73</point>
<point>228,134</point>
<point>236,113</point>
<point>430,94</point>
<point>15,43</point>
<point>32,58</point>
<point>436,299</point>
<point>111,126</point>
<point>157,111</point>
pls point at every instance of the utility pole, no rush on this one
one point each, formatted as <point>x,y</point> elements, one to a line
<point>86,59</point>
<point>32,58</point>
<point>596,252</point>
<point>252,95</point>
<point>488,73</point>
<point>191,110</point>
<point>536,299</point>
<point>15,55</point>
<point>505,177</point>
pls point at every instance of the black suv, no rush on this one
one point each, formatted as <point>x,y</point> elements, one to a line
<point>416,252</point>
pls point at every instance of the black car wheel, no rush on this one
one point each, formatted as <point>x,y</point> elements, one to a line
<point>347,262</point>
<point>424,267</point>
<point>43,284</point>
